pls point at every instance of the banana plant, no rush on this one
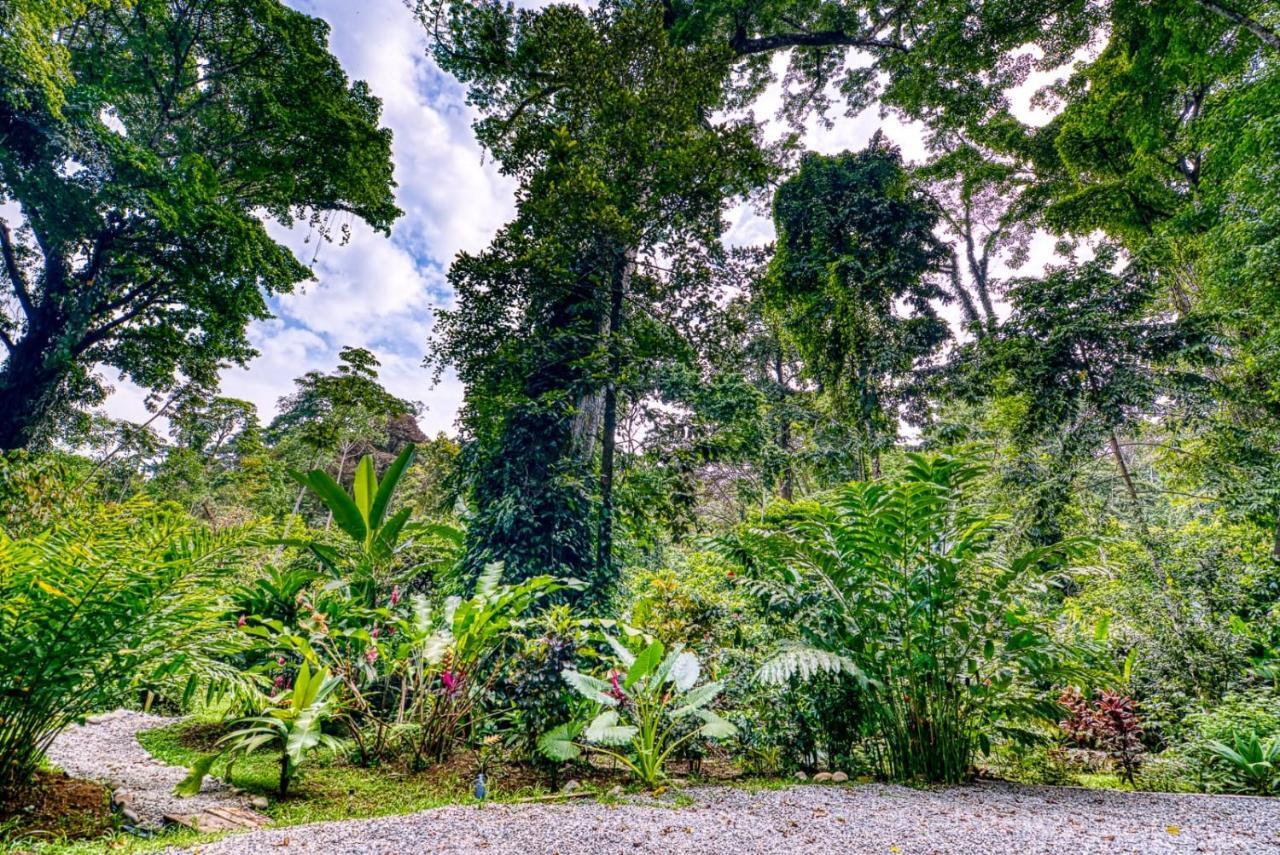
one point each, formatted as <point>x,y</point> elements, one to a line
<point>293,727</point>
<point>641,713</point>
<point>362,515</point>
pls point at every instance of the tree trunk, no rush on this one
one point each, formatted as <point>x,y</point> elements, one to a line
<point>784,429</point>
<point>28,391</point>
<point>620,281</point>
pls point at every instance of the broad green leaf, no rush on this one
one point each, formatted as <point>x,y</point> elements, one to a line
<point>190,785</point>
<point>387,489</point>
<point>363,488</point>
<point>697,698</point>
<point>558,743</point>
<point>590,687</point>
<point>605,730</point>
<point>715,727</point>
<point>644,664</point>
<point>345,513</point>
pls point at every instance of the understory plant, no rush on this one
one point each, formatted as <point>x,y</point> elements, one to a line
<point>1109,722</point>
<point>1250,765</point>
<point>102,607</point>
<point>901,587</point>
<point>293,726</point>
<point>641,712</point>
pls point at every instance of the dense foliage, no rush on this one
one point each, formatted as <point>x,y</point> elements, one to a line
<point>974,468</point>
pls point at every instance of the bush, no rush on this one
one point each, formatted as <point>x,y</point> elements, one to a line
<point>903,588</point>
<point>1239,715</point>
<point>100,608</point>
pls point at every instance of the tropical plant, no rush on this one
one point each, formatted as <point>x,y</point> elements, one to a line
<point>362,515</point>
<point>1251,765</point>
<point>644,711</point>
<point>903,588</point>
<point>292,726</point>
<point>1109,722</point>
<point>103,606</point>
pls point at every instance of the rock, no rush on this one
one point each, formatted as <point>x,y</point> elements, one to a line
<point>801,776</point>
<point>130,816</point>
<point>616,791</point>
<point>822,778</point>
<point>839,777</point>
<point>260,802</point>
<point>235,791</point>
<point>121,798</point>
<point>571,786</point>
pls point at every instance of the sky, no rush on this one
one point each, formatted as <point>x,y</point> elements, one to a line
<point>378,292</point>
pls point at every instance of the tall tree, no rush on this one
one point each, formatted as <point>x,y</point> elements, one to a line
<point>624,174</point>
<point>142,243</point>
<point>852,284</point>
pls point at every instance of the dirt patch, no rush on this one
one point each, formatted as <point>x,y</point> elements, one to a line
<point>57,807</point>
<point>202,736</point>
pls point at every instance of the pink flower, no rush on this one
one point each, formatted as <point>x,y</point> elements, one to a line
<point>241,621</point>
<point>616,691</point>
<point>279,660</point>
<point>395,594</point>
<point>372,655</point>
<point>373,633</point>
<point>450,681</point>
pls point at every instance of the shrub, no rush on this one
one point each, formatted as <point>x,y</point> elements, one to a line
<point>292,725</point>
<point>1250,765</point>
<point>1238,716</point>
<point>1110,722</point>
<point>906,590</point>
<point>97,609</point>
<point>648,707</point>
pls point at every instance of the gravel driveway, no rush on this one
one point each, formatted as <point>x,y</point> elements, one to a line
<point>982,818</point>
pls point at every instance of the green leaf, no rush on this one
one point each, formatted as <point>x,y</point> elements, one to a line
<point>386,490</point>
<point>190,785</point>
<point>715,727</point>
<point>699,697</point>
<point>345,513</point>
<point>558,744</point>
<point>644,664</point>
<point>590,687</point>
<point>605,730</point>
<point>363,488</point>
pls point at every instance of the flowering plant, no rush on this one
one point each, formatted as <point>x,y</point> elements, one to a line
<point>640,711</point>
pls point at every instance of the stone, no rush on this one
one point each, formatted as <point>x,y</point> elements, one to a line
<point>122,798</point>
<point>839,778</point>
<point>260,802</point>
<point>130,816</point>
<point>801,776</point>
<point>616,791</point>
<point>571,786</point>
<point>822,778</point>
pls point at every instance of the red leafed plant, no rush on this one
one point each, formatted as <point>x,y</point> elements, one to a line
<point>1110,722</point>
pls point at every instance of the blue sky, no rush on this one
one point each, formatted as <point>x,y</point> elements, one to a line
<point>379,293</point>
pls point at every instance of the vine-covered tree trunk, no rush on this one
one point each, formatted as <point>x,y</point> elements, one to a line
<point>619,284</point>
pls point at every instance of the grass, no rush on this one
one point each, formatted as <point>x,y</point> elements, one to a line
<point>328,788</point>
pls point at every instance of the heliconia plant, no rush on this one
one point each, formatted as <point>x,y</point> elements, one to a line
<point>641,712</point>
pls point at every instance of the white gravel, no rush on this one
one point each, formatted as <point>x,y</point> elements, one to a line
<point>982,818</point>
<point>105,748</point>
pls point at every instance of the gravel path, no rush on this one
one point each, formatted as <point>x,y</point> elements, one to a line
<point>105,748</point>
<point>983,818</point>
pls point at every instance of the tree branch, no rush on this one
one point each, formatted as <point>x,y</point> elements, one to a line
<point>1267,35</point>
<point>12,267</point>
<point>744,46</point>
